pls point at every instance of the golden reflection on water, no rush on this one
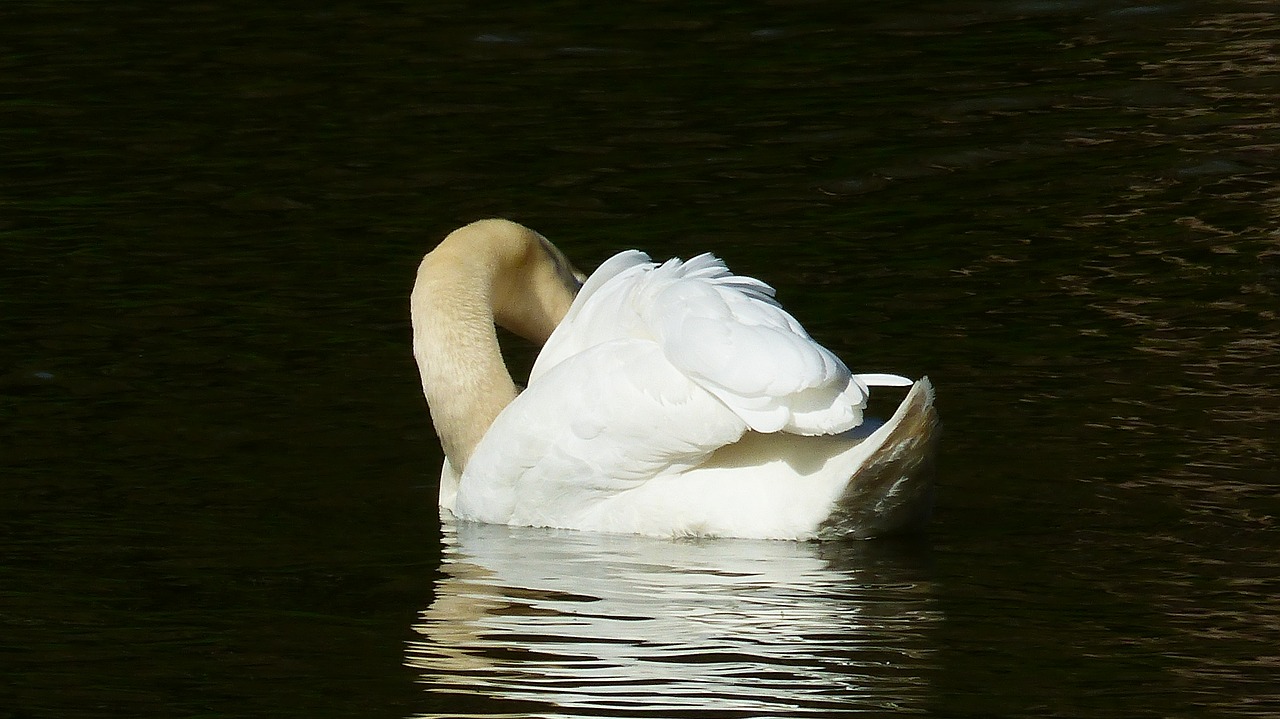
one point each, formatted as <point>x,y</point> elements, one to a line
<point>1184,270</point>
<point>581,623</point>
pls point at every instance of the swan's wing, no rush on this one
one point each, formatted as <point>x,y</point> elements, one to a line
<point>729,335</point>
<point>599,313</point>
<point>724,332</point>
<point>596,425</point>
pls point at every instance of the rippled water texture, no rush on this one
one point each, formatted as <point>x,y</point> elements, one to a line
<point>217,474</point>
<point>597,624</point>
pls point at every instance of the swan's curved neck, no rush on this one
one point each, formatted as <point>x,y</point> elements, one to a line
<point>460,363</point>
<point>488,272</point>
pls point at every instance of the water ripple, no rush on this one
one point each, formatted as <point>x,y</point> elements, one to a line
<point>582,624</point>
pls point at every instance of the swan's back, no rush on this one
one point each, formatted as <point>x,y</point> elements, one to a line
<point>724,332</point>
<point>637,407</point>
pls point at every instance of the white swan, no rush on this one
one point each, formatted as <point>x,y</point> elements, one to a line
<point>669,400</point>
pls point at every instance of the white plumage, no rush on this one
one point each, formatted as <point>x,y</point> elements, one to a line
<point>673,399</point>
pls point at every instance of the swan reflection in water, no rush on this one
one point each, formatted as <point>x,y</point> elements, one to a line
<point>533,622</point>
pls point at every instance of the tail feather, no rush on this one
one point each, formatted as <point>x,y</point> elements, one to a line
<point>883,380</point>
<point>892,492</point>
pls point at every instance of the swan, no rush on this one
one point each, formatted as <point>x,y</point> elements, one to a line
<point>673,399</point>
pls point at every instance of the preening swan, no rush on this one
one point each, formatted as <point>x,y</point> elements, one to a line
<point>672,400</point>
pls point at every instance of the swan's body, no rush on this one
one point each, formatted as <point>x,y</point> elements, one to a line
<point>673,399</point>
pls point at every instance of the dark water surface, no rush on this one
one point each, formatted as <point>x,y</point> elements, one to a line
<point>217,476</point>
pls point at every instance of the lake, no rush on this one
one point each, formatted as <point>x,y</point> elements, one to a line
<point>218,474</point>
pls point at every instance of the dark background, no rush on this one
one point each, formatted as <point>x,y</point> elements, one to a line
<point>217,473</point>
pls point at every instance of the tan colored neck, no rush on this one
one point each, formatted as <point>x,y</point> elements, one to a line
<point>455,342</point>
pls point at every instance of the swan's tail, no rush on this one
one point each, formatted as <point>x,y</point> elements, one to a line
<point>892,491</point>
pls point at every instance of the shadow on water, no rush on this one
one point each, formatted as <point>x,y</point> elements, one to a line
<point>554,623</point>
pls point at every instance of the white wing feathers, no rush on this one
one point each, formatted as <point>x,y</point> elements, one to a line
<point>725,333</point>
<point>596,312</point>
<point>604,421</point>
<point>736,342</point>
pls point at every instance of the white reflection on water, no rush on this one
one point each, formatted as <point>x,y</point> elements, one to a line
<point>584,624</point>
